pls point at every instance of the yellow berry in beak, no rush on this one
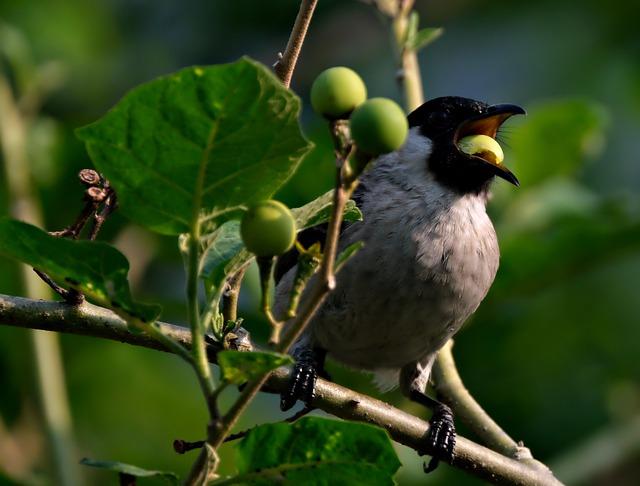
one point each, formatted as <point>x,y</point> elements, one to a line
<point>482,146</point>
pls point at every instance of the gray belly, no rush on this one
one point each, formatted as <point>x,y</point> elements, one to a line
<point>407,291</point>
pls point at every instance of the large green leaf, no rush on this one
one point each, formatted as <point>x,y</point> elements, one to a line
<point>226,254</point>
<point>197,145</point>
<point>556,139</point>
<point>317,451</point>
<point>131,470</point>
<point>94,268</point>
<point>241,366</point>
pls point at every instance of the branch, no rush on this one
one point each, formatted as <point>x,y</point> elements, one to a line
<point>90,320</point>
<point>287,63</point>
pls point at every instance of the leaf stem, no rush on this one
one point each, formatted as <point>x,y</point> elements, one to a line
<point>198,348</point>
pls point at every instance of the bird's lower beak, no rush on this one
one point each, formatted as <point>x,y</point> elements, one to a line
<point>488,124</point>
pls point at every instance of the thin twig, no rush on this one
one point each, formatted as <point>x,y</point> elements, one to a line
<point>287,62</point>
<point>183,446</point>
<point>99,217</point>
<point>90,320</point>
<point>71,296</point>
<point>408,73</point>
<point>231,295</point>
<point>98,193</point>
<point>296,416</point>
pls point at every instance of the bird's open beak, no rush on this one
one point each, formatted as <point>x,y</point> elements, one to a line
<point>488,124</point>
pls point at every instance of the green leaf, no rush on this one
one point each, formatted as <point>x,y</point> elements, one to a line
<point>122,468</point>
<point>318,211</point>
<point>424,37</point>
<point>94,268</point>
<point>556,139</point>
<point>317,451</point>
<point>348,253</point>
<point>241,366</point>
<point>198,145</point>
<point>412,30</point>
<point>225,252</point>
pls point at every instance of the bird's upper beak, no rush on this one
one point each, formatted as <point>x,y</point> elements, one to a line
<point>488,124</point>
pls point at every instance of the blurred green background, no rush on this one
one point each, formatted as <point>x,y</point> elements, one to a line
<point>552,353</point>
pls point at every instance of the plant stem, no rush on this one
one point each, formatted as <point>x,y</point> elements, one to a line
<point>231,295</point>
<point>287,63</point>
<point>408,68</point>
<point>198,348</point>
<point>46,346</point>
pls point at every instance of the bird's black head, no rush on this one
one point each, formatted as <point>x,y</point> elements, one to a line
<point>446,121</point>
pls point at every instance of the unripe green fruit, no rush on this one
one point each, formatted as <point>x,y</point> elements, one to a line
<point>482,146</point>
<point>268,229</point>
<point>379,126</point>
<point>336,92</point>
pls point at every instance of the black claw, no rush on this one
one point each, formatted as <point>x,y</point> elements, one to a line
<point>302,385</point>
<point>440,441</point>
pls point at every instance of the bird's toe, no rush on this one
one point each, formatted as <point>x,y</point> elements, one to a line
<point>440,440</point>
<point>302,385</point>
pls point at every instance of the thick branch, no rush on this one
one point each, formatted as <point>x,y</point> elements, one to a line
<point>287,63</point>
<point>342,402</point>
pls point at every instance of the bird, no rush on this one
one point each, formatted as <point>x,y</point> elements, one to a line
<point>430,256</point>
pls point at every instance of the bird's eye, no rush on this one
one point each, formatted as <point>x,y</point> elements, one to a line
<point>439,119</point>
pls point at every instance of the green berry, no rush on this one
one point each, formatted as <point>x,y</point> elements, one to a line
<point>379,126</point>
<point>268,229</point>
<point>336,92</point>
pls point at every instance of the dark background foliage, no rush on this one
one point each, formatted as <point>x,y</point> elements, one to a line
<point>552,353</point>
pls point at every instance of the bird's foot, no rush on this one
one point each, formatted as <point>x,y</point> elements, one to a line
<point>440,440</point>
<point>302,384</point>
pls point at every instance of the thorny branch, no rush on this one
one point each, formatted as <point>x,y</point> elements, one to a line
<point>89,320</point>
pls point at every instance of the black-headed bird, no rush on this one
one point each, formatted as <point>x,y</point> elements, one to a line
<point>430,256</point>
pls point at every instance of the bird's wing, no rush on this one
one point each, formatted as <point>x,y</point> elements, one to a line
<point>313,235</point>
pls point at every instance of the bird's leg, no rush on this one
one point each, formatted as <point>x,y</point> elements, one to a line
<point>302,384</point>
<point>440,440</point>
